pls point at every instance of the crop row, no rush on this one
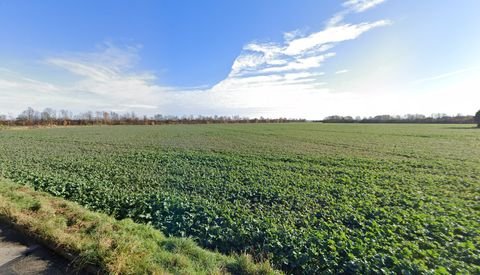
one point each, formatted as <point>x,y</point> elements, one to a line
<point>308,215</point>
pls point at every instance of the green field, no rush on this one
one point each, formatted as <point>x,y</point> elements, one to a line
<point>310,197</point>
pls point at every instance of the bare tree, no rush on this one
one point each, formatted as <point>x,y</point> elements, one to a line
<point>48,116</point>
<point>65,114</point>
<point>106,118</point>
<point>27,116</point>
<point>114,116</point>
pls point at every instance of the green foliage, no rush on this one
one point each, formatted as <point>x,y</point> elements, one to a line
<point>115,247</point>
<point>310,198</point>
<point>477,118</point>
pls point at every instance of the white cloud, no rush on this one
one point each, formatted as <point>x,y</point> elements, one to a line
<point>444,75</point>
<point>341,72</point>
<point>352,6</point>
<point>337,18</point>
<point>362,5</point>
<point>12,80</point>
<point>269,79</point>
<point>140,106</point>
<point>292,35</point>
<point>331,35</point>
<point>299,64</point>
<point>107,73</point>
<point>104,79</point>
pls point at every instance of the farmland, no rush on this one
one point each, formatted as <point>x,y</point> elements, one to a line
<point>309,197</point>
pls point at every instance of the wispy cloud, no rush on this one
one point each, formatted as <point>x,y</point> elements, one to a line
<point>286,75</point>
<point>444,75</point>
<point>341,72</point>
<point>362,5</point>
<point>107,74</point>
<point>105,79</point>
<point>12,80</point>
<point>140,106</point>
<point>352,6</point>
<point>331,35</point>
<point>281,78</point>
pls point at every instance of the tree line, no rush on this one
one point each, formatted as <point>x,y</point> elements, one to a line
<point>63,117</point>
<point>409,118</point>
<point>51,117</point>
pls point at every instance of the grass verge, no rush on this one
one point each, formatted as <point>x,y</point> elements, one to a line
<point>112,246</point>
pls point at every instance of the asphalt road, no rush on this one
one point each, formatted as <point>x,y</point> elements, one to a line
<point>22,255</point>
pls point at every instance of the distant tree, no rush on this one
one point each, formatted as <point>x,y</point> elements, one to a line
<point>65,114</point>
<point>114,116</point>
<point>29,115</point>
<point>106,118</point>
<point>477,118</point>
<point>88,116</point>
<point>48,115</point>
<point>98,116</point>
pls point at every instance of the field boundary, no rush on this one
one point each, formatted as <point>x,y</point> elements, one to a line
<point>98,244</point>
<point>69,256</point>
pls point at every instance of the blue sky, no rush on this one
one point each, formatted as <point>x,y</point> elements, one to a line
<point>252,58</point>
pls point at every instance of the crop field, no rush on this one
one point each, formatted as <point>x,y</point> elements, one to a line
<point>311,198</point>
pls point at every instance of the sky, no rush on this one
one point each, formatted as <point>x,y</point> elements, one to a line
<point>272,58</point>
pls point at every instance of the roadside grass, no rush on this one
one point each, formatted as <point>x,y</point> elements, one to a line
<point>115,247</point>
